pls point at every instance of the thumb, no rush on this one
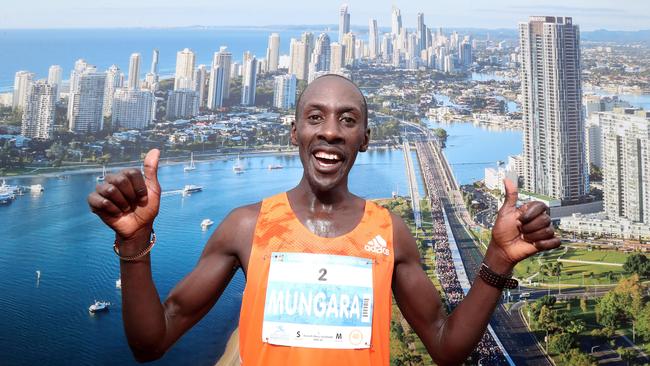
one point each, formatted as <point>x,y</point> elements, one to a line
<point>151,166</point>
<point>512,193</point>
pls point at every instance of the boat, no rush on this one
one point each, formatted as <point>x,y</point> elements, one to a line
<point>118,283</point>
<point>38,275</point>
<point>189,168</point>
<point>99,306</point>
<point>36,188</point>
<point>6,193</point>
<point>205,224</point>
<point>191,188</point>
<point>103,176</point>
<point>238,168</point>
<point>275,166</point>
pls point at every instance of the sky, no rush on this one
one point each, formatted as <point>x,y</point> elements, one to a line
<point>589,14</point>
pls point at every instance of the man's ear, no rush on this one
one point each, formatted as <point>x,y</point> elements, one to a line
<point>366,141</point>
<point>294,134</point>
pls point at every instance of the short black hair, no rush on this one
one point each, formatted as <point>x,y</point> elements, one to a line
<point>363,97</point>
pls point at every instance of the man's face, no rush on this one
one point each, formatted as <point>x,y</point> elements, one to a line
<point>330,130</point>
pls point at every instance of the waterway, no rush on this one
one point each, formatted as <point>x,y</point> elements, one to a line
<point>47,321</point>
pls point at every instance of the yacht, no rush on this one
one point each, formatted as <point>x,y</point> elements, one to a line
<point>191,188</point>
<point>118,283</point>
<point>6,193</point>
<point>238,168</point>
<point>275,166</point>
<point>99,306</point>
<point>103,176</point>
<point>189,168</point>
<point>205,224</point>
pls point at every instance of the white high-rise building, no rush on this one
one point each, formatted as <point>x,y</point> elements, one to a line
<point>22,84</point>
<point>39,111</point>
<point>338,57</point>
<point>553,148</point>
<point>322,53</point>
<point>349,41</point>
<point>224,59</point>
<point>114,81</point>
<point>626,163</point>
<point>54,78</point>
<point>249,82</point>
<point>284,95</point>
<point>87,102</point>
<point>219,78</point>
<point>182,103</point>
<point>344,21</point>
<point>184,69</point>
<point>421,34</point>
<point>80,67</point>
<point>373,39</point>
<point>134,71</point>
<point>273,52</point>
<point>199,84</point>
<point>299,56</point>
<point>396,22</point>
<point>132,109</point>
<point>154,62</point>
<point>386,47</point>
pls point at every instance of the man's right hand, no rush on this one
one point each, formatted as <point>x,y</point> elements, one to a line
<point>128,202</point>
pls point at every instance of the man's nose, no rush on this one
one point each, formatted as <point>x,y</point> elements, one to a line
<point>331,130</point>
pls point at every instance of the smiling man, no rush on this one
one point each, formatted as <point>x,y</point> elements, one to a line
<point>320,263</point>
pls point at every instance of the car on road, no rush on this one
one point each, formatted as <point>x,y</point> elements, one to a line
<point>524,296</point>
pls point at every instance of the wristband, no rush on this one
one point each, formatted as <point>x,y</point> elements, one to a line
<point>144,252</point>
<point>496,280</point>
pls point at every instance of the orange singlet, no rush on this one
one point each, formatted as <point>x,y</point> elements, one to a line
<point>294,292</point>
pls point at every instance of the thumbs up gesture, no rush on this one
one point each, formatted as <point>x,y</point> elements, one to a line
<point>128,201</point>
<point>520,232</point>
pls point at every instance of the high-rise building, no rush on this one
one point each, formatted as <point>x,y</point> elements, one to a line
<point>199,84</point>
<point>39,111</point>
<point>321,56</point>
<point>349,41</point>
<point>344,22</point>
<point>299,56</point>
<point>22,84</point>
<point>626,163</point>
<point>184,69</point>
<point>465,54</point>
<point>387,47</point>
<point>273,52</point>
<point>396,21</point>
<point>224,59</point>
<point>154,62</point>
<point>216,86</point>
<point>54,78</point>
<point>373,39</point>
<point>86,104</point>
<point>421,33</point>
<point>182,103</point>
<point>249,82</point>
<point>554,148</point>
<point>114,81</point>
<point>284,95</point>
<point>338,57</point>
<point>80,67</point>
<point>134,71</point>
<point>132,109</point>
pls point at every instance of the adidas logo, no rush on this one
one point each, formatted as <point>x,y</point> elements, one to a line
<point>377,245</point>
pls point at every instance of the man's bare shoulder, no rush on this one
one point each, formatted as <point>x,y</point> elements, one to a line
<point>403,240</point>
<point>234,235</point>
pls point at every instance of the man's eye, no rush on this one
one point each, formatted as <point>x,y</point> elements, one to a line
<point>348,120</point>
<point>314,117</point>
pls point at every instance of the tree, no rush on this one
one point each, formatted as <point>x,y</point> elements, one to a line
<point>637,264</point>
<point>643,322</point>
<point>576,358</point>
<point>628,355</point>
<point>583,305</point>
<point>561,343</point>
<point>621,304</point>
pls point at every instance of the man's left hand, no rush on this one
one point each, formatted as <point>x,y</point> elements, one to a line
<point>520,232</point>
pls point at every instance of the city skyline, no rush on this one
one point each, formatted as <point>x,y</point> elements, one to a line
<point>599,14</point>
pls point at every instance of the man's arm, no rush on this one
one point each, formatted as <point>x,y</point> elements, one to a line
<point>152,327</point>
<point>517,234</point>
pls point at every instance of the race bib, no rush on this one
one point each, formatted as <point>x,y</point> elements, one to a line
<point>318,301</point>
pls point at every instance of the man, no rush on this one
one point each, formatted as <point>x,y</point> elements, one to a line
<point>320,262</point>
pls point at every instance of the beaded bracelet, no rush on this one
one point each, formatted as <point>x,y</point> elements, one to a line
<point>139,255</point>
<point>496,280</point>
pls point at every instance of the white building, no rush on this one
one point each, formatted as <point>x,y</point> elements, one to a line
<point>182,103</point>
<point>249,82</point>
<point>373,39</point>
<point>199,82</point>
<point>218,85</point>
<point>39,111</point>
<point>54,78</point>
<point>396,21</point>
<point>22,84</point>
<point>349,40</point>
<point>554,149</point>
<point>87,102</point>
<point>273,53</point>
<point>344,22</point>
<point>132,109</point>
<point>284,95</point>
<point>134,71</point>
<point>185,60</point>
<point>338,57</point>
<point>599,225</point>
<point>114,81</point>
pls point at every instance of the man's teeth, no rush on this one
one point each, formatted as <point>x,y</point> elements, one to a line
<point>324,155</point>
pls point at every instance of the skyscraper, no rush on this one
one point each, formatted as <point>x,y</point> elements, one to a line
<point>298,51</point>
<point>80,67</point>
<point>114,81</point>
<point>154,62</point>
<point>349,41</point>
<point>86,108</point>
<point>249,82</point>
<point>54,78</point>
<point>199,84</point>
<point>421,33</point>
<point>273,52</point>
<point>553,138</point>
<point>39,111</point>
<point>338,57</point>
<point>223,58</point>
<point>217,84</point>
<point>465,53</point>
<point>284,94</point>
<point>373,39</point>
<point>134,71</point>
<point>321,56</point>
<point>626,163</point>
<point>344,22</point>
<point>396,21</point>
<point>184,69</point>
<point>22,84</point>
<point>182,103</point>
<point>132,109</point>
